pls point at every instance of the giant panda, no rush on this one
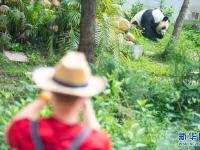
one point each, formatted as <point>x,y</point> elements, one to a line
<point>152,22</point>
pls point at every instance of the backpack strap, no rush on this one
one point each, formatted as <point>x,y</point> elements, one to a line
<point>77,141</point>
<point>35,136</point>
<point>38,143</point>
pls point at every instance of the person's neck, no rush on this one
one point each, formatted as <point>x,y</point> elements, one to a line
<point>68,115</point>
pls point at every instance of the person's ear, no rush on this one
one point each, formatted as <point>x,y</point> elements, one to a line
<point>165,18</point>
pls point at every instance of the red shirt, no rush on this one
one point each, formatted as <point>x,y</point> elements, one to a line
<point>55,135</point>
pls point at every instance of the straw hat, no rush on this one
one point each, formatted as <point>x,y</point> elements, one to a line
<point>71,76</point>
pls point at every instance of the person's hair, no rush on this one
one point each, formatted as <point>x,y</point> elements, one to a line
<point>65,98</point>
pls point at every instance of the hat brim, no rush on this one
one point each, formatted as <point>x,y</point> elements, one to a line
<point>43,79</point>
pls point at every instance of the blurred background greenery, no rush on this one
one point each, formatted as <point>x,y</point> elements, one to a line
<point>147,101</point>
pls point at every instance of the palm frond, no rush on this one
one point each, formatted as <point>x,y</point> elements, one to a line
<point>74,18</point>
<point>4,19</point>
<point>69,40</point>
<point>102,35</point>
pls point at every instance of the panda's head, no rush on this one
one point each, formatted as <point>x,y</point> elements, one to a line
<point>162,22</point>
<point>162,26</point>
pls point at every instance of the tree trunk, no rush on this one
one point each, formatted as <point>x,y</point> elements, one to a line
<point>1,2</point>
<point>87,28</point>
<point>180,20</point>
<point>177,29</point>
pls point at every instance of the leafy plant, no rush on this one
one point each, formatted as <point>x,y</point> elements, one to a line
<point>167,11</point>
<point>135,8</point>
<point>5,41</point>
<point>146,101</point>
<point>16,46</point>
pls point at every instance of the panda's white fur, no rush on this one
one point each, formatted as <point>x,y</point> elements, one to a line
<point>138,17</point>
<point>157,15</point>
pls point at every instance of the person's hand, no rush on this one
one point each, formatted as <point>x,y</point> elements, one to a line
<point>89,117</point>
<point>86,103</point>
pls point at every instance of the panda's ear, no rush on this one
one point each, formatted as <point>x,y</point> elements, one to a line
<point>165,18</point>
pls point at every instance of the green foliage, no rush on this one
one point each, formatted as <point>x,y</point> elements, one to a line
<point>167,11</point>
<point>187,82</point>
<point>135,8</point>
<point>5,41</point>
<point>193,33</point>
<point>146,102</point>
<point>31,22</point>
<point>110,7</point>
<point>16,46</point>
<point>103,33</point>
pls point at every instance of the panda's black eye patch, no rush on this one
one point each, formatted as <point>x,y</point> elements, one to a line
<point>163,28</point>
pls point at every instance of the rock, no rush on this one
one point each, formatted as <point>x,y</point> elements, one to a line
<point>28,74</point>
<point>122,23</point>
<point>137,51</point>
<point>10,2</point>
<point>4,9</point>
<point>149,53</point>
<point>161,65</point>
<point>2,27</point>
<point>117,7</point>
<point>130,37</point>
<point>54,28</point>
<point>121,38</point>
<point>47,3</point>
<point>130,43</point>
<point>195,72</point>
<point>16,56</point>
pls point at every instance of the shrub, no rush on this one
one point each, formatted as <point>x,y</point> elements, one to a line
<point>167,11</point>
<point>5,41</point>
<point>136,8</point>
